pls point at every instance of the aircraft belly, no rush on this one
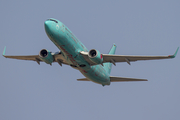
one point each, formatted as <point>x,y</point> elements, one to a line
<point>97,74</point>
<point>71,47</point>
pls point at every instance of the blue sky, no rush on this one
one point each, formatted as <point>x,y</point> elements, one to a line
<point>29,91</point>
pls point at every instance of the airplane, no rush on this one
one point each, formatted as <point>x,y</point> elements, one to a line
<point>95,66</point>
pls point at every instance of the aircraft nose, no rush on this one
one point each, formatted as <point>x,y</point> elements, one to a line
<point>47,25</point>
<point>51,27</point>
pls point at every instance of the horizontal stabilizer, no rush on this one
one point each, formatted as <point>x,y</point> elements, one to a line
<point>83,79</point>
<point>121,79</point>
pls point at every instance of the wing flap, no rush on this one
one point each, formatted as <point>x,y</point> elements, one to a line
<point>122,79</point>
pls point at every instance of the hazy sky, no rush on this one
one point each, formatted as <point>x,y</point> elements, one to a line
<point>29,91</point>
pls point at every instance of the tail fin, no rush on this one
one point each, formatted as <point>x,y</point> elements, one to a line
<point>107,66</point>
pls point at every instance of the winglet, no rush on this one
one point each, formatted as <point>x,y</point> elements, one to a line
<point>4,51</point>
<point>173,56</point>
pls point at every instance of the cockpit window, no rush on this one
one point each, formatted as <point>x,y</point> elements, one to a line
<point>53,20</point>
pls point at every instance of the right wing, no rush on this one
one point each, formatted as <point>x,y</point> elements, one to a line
<point>57,57</point>
<point>26,57</point>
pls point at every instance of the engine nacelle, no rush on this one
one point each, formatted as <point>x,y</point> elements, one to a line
<point>95,56</point>
<point>46,56</point>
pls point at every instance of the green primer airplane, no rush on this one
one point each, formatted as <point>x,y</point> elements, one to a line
<point>96,67</point>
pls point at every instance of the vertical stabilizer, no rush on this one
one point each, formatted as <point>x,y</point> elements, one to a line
<point>108,66</point>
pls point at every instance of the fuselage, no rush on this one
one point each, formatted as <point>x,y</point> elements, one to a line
<point>71,47</point>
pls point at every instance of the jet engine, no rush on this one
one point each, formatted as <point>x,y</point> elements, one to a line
<point>95,56</point>
<point>46,56</point>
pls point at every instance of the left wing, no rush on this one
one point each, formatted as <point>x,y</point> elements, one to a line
<point>126,58</point>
